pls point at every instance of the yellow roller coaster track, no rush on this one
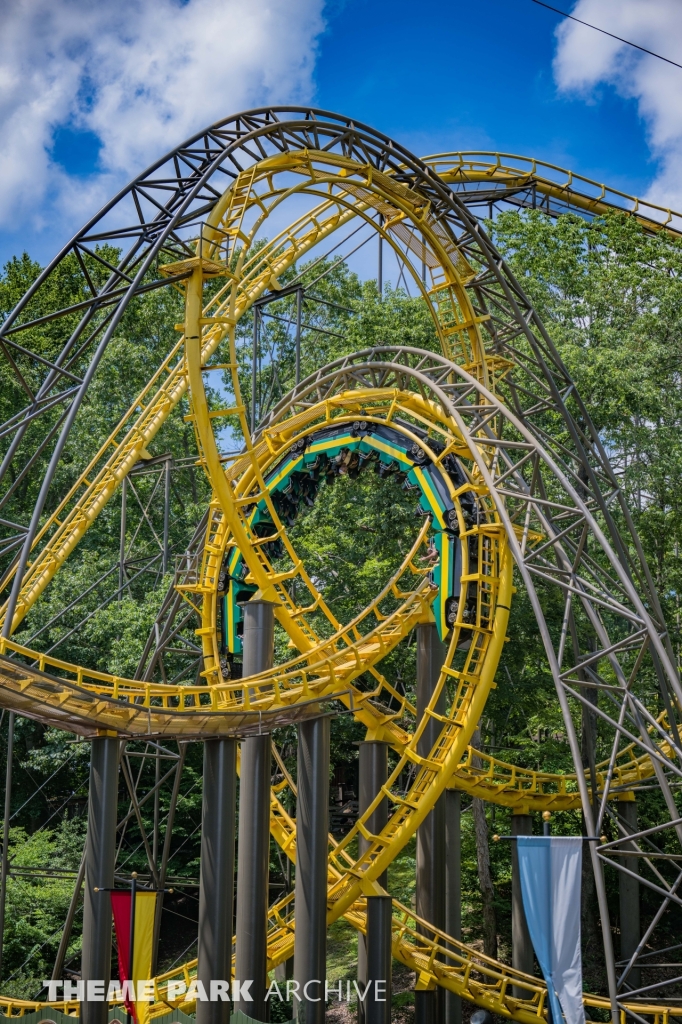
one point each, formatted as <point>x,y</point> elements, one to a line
<point>570,190</point>
<point>435,957</point>
<point>64,528</point>
<point>330,667</point>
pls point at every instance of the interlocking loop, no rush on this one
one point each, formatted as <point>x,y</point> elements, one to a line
<point>507,468</point>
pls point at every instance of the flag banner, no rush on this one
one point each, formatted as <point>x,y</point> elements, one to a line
<point>145,908</point>
<point>549,868</point>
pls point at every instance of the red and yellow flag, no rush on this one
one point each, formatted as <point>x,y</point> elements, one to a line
<point>145,907</point>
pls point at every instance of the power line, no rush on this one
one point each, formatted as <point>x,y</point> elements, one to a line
<point>605,33</point>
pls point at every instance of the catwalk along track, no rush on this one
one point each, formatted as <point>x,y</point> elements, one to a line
<point>505,464</point>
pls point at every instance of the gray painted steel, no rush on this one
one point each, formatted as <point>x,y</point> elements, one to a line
<point>5,831</point>
<point>426,1007</point>
<point>430,903</point>
<point>254,825</point>
<point>541,372</point>
<point>173,208</point>
<point>630,928</point>
<point>259,637</point>
<point>379,960</point>
<point>100,852</point>
<point>453,888</point>
<point>522,947</point>
<point>312,830</point>
<point>253,873</point>
<point>372,775</point>
<point>216,890</point>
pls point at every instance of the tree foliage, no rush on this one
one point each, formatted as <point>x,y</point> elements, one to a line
<point>611,298</point>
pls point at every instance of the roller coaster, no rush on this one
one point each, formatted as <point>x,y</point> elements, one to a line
<point>507,469</point>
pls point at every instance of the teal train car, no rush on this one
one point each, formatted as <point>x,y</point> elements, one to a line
<point>350,449</point>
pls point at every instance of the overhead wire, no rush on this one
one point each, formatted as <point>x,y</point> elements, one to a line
<point>349,710</point>
<point>636,46</point>
<point>326,255</point>
<point>42,785</point>
<point>337,262</point>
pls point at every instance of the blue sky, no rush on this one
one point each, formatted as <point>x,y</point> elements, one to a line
<point>90,93</point>
<point>475,76</point>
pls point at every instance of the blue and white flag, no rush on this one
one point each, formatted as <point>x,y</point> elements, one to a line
<point>549,867</point>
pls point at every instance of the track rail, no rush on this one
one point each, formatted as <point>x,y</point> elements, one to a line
<point>529,180</point>
<point>498,401</point>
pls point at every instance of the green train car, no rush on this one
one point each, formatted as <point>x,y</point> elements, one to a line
<point>351,449</point>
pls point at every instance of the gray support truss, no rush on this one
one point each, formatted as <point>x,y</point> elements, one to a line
<point>628,892</point>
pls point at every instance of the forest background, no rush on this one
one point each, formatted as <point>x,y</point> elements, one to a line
<point>611,297</point>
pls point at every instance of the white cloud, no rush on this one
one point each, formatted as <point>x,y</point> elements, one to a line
<point>586,58</point>
<point>142,75</point>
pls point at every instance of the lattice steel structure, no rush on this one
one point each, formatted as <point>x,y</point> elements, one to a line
<point>511,472</point>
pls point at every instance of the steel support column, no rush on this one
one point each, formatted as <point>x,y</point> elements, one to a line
<point>372,775</point>
<point>100,854</point>
<point>166,513</point>
<point>259,637</point>
<point>426,1006</point>
<point>252,873</point>
<point>122,539</point>
<point>299,300</point>
<point>628,886</point>
<point>453,888</point>
<point>378,998</point>
<point>254,366</point>
<point>312,830</point>
<point>216,891</point>
<point>254,825</point>
<point>430,903</point>
<point>5,832</point>
<point>522,947</point>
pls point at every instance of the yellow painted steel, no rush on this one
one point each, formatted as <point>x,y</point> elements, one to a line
<point>65,527</point>
<point>347,189</point>
<point>88,701</point>
<point>38,689</point>
<point>433,955</point>
<point>575,190</point>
